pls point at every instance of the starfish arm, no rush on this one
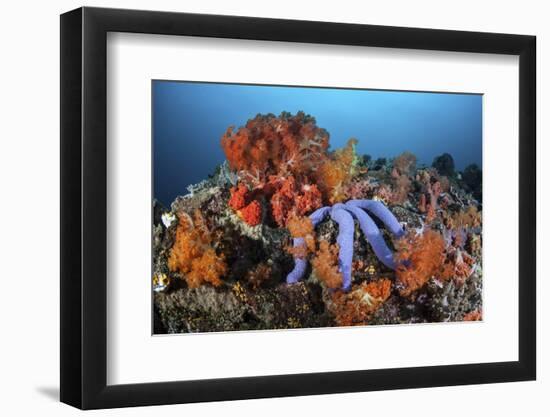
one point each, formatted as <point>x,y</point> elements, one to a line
<point>345,242</point>
<point>373,235</point>
<point>318,215</point>
<point>300,264</point>
<point>381,211</point>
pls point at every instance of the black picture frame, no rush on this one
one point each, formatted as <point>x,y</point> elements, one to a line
<point>84,207</point>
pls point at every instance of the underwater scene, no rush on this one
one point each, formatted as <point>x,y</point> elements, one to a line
<point>280,207</point>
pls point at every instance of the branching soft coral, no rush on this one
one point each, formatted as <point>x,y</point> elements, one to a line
<point>325,265</point>
<point>428,201</point>
<point>404,165</point>
<point>357,306</point>
<point>276,158</point>
<point>419,257</point>
<point>270,145</point>
<point>422,256</point>
<point>337,171</point>
<point>402,187</point>
<point>468,218</point>
<point>193,255</point>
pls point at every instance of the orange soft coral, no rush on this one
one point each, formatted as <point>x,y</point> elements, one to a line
<point>419,258</point>
<point>325,265</point>
<point>193,255</point>
<point>337,171</point>
<point>209,267</point>
<point>302,227</point>
<point>357,306</point>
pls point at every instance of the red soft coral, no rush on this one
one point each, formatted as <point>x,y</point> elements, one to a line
<point>285,161</point>
<point>239,197</point>
<point>251,213</point>
<point>290,199</point>
<point>308,199</point>
<point>248,209</point>
<point>270,145</point>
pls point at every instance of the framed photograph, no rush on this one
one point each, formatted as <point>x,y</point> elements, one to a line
<point>256,208</point>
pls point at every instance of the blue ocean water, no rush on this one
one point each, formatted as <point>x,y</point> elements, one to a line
<point>189,119</point>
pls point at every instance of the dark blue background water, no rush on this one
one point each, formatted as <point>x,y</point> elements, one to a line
<point>190,118</point>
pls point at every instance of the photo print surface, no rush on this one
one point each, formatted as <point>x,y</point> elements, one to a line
<point>282,207</point>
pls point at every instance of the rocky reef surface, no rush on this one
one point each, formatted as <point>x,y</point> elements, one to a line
<point>223,251</point>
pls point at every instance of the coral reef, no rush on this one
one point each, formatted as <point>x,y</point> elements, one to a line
<point>289,233</point>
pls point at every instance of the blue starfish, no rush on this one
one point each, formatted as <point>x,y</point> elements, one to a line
<point>343,214</point>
